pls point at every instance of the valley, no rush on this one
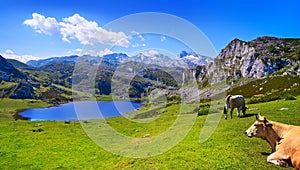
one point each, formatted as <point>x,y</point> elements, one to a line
<point>266,71</point>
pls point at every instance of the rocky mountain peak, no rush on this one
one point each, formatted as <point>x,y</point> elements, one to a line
<point>192,59</point>
<point>235,48</point>
<point>259,57</point>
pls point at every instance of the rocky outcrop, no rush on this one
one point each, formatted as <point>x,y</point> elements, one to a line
<point>259,58</point>
<point>8,72</point>
<point>23,91</point>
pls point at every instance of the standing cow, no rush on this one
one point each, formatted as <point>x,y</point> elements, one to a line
<point>235,101</point>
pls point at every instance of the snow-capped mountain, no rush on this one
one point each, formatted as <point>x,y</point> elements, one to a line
<point>183,60</point>
<point>193,59</point>
<point>156,59</point>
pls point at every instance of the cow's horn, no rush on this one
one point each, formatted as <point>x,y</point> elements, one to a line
<point>258,116</point>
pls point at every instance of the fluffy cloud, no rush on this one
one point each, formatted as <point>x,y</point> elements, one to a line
<point>77,27</point>
<point>42,25</point>
<point>9,54</point>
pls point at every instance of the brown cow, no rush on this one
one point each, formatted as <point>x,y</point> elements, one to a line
<point>283,139</point>
<point>235,101</point>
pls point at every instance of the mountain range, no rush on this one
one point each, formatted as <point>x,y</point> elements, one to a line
<point>184,59</point>
<point>51,79</point>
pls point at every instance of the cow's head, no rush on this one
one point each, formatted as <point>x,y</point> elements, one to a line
<point>244,110</point>
<point>259,127</point>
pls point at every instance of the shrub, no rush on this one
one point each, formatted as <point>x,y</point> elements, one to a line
<point>203,109</point>
<point>289,97</point>
<point>271,48</point>
<point>264,98</point>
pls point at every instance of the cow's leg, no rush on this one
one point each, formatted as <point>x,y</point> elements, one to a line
<point>244,110</point>
<point>278,158</point>
<point>231,110</point>
<point>295,159</point>
<point>238,111</point>
<point>225,112</point>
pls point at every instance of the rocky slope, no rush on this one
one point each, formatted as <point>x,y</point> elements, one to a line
<point>260,57</point>
<point>18,86</point>
<point>8,72</point>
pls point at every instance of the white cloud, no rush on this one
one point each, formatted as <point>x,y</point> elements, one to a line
<point>78,50</point>
<point>74,52</point>
<point>139,35</point>
<point>9,54</point>
<point>42,25</point>
<point>88,32</point>
<point>104,52</point>
<point>138,45</point>
<point>151,53</point>
<point>77,27</point>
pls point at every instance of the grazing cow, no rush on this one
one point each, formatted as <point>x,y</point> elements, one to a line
<point>235,101</point>
<point>283,139</point>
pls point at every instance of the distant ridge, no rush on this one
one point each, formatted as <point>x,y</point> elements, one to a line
<point>185,59</point>
<point>53,60</point>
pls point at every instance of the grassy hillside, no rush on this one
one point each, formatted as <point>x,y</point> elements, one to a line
<point>269,88</point>
<point>57,145</point>
<point>9,107</point>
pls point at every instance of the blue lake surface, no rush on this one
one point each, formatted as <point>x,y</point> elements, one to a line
<point>81,110</point>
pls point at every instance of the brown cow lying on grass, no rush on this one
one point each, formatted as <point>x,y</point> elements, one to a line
<point>235,101</point>
<point>283,139</point>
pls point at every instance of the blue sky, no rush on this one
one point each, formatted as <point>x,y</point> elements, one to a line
<point>40,29</point>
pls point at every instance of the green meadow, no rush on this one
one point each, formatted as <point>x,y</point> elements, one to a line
<point>63,145</point>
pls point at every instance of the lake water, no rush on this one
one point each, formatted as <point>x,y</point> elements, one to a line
<point>81,110</point>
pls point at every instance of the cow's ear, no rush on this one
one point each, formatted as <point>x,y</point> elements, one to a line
<point>270,125</point>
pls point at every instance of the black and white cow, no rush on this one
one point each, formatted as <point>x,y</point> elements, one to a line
<point>234,101</point>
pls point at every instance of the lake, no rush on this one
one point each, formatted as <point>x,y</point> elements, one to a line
<point>81,110</point>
